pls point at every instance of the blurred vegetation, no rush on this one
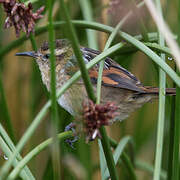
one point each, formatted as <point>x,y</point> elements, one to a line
<point>22,94</point>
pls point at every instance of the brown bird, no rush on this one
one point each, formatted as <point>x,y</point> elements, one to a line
<point>118,84</point>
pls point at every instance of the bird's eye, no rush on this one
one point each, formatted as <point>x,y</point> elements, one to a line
<point>46,56</point>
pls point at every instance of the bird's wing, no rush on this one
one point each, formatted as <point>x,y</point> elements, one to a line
<point>113,74</point>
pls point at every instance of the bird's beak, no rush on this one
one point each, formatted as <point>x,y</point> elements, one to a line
<point>29,54</point>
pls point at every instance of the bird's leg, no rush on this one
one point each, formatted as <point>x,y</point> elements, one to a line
<point>71,127</point>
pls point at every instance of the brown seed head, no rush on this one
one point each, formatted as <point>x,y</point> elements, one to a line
<point>20,16</point>
<point>97,115</point>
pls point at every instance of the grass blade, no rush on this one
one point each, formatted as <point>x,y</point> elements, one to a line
<point>35,152</point>
<point>54,118</point>
<point>118,152</point>
<point>161,114</point>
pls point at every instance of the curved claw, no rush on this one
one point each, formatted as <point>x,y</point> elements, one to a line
<point>71,141</point>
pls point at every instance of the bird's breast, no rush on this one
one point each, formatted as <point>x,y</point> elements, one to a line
<point>73,98</point>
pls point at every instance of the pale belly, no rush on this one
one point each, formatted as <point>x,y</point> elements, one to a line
<point>73,98</point>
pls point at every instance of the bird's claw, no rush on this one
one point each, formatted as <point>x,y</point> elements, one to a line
<point>75,138</point>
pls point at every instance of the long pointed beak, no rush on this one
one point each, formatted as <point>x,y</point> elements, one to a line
<point>29,54</point>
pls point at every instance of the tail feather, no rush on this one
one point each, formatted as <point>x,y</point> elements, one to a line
<point>154,90</point>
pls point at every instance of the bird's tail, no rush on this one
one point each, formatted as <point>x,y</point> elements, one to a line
<point>154,90</point>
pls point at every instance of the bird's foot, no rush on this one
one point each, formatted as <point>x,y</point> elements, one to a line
<point>71,141</point>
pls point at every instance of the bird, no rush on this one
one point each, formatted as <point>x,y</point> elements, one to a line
<point>118,84</point>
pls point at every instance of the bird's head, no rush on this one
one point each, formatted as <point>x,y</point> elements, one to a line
<point>65,60</point>
<point>62,52</point>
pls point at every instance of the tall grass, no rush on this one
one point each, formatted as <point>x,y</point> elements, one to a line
<point>118,159</point>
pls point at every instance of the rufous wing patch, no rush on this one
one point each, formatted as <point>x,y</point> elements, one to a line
<point>113,70</point>
<point>114,77</point>
<point>105,79</point>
